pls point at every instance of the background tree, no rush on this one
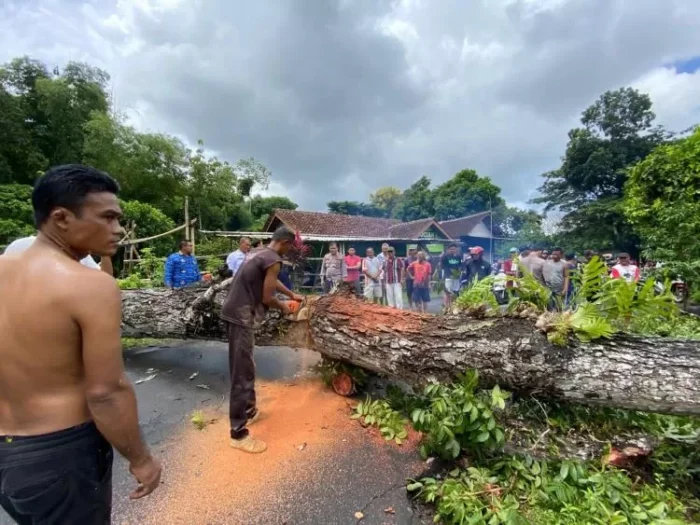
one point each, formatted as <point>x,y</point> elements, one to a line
<point>417,202</point>
<point>150,221</point>
<point>261,208</point>
<point>20,159</point>
<point>354,208</point>
<point>16,215</point>
<point>617,132</point>
<point>213,190</point>
<point>464,194</point>
<point>511,221</point>
<point>54,109</point>
<point>662,202</point>
<point>249,173</point>
<point>386,199</point>
<point>150,168</point>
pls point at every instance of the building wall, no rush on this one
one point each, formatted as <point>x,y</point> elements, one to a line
<point>480,230</point>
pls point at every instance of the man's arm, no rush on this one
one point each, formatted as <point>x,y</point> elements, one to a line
<point>168,272</point>
<point>411,271</point>
<point>323,269</point>
<point>231,262</point>
<point>109,394</point>
<point>365,270</point>
<point>281,288</point>
<point>198,273</point>
<point>566,280</point>
<point>468,273</point>
<point>270,288</point>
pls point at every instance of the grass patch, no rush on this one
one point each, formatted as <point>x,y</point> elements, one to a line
<point>141,342</point>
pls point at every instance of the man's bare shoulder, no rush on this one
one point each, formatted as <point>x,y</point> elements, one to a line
<point>93,282</point>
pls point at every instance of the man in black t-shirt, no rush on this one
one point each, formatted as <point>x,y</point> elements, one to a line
<point>477,268</point>
<point>252,292</point>
<point>451,265</point>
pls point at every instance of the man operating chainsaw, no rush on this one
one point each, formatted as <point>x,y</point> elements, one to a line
<point>252,292</point>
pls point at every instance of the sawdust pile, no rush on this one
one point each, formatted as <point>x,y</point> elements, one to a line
<point>304,425</point>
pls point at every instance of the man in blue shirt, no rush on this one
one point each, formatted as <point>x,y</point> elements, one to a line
<point>181,268</point>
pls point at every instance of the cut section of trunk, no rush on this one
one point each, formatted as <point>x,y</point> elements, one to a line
<point>648,374</point>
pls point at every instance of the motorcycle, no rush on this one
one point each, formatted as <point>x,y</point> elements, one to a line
<point>499,289</point>
<point>678,289</point>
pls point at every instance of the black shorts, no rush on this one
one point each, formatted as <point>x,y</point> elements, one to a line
<point>421,294</point>
<point>409,288</point>
<point>64,477</point>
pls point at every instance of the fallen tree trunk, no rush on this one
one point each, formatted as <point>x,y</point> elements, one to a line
<point>648,374</point>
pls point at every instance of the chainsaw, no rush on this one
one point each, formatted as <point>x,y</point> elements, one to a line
<point>299,310</point>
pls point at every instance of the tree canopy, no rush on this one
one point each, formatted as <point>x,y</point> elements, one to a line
<point>386,199</point>
<point>417,202</point>
<point>662,200</point>
<point>465,194</point>
<point>57,117</point>
<point>617,132</point>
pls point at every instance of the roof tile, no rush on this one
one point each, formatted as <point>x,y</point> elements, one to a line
<point>316,223</point>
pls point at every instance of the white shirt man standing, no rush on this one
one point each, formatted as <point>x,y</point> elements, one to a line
<point>235,259</point>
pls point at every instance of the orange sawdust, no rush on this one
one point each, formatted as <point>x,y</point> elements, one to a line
<point>208,482</point>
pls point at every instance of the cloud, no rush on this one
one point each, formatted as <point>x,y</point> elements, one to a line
<point>339,97</point>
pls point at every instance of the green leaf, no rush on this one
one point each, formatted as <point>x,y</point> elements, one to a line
<point>564,471</point>
<point>658,510</point>
<point>482,437</point>
<point>412,487</point>
<point>474,414</point>
<point>415,415</point>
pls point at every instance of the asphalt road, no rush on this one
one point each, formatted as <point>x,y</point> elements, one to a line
<point>321,467</point>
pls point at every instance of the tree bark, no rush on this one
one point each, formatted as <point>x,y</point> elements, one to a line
<point>648,374</point>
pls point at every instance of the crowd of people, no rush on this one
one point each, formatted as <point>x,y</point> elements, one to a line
<point>554,269</point>
<point>383,278</point>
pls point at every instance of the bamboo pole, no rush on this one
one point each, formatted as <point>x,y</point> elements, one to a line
<point>187,218</point>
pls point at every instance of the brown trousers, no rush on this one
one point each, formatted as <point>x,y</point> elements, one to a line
<point>241,341</point>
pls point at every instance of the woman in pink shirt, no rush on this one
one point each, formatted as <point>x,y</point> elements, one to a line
<point>353,264</point>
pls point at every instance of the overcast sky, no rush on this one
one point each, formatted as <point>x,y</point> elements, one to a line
<point>339,97</point>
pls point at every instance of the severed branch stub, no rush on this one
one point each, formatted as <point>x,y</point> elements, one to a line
<point>638,373</point>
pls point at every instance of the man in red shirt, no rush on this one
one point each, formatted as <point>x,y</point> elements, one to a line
<point>353,265</point>
<point>420,272</point>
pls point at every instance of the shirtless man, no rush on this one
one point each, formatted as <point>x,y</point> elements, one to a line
<point>64,396</point>
<point>252,292</point>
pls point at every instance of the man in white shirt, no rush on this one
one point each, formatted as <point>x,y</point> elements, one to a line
<point>235,259</point>
<point>22,244</point>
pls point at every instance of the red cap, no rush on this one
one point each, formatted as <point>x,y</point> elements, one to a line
<point>476,249</point>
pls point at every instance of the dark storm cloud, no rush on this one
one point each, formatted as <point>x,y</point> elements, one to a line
<point>339,97</point>
<point>308,92</point>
